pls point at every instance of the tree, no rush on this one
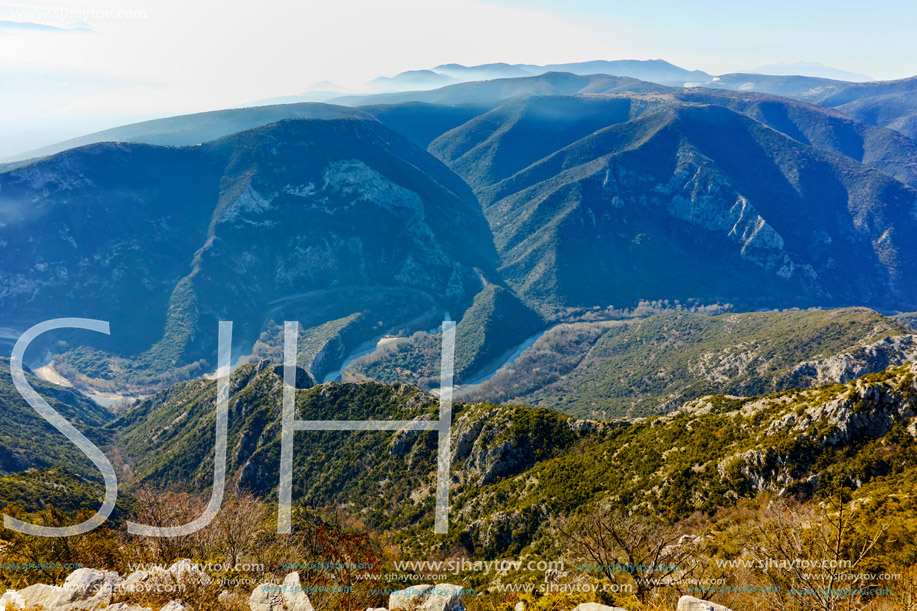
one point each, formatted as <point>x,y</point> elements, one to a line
<point>161,509</point>
<point>645,549</point>
<point>51,559</point>
<point>811,554</point>
<point>237,530</point>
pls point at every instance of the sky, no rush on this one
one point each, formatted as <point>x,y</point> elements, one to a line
<point>68,67</point>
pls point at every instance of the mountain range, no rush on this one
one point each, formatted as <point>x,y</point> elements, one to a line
<point>668,189</point>
<point>716,473</point>
<point>810,69</point>
<point>326,218</point>
<point>730,449</point>
<point>511,204</point>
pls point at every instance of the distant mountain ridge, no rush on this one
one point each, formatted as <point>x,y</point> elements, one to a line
<point>811,69</point>
<point>884,103</point>
<point>498,90</point>
<point>653,70</point>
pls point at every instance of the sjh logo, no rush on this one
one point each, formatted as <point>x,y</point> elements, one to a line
<point>289,425</point>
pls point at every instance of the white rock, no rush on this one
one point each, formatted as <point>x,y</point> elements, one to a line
<point>596,607</point>
<point>185,571</point>
<point>294,596</point>
<point>137,577</point>
<point>689,603</point>
<point>83,590</point>
<point>136,580</point>
<point>126,607</point>
<point>686,539</point>
<point>41,596</point>
<point>444,597</point>
<point>174,605</point>
<point>10,600</point>
<point>180,572</point>
<point>426,597</point>
<point>266,597</point>
<point>86,583</point>
<point>88,589</point>
<point>409,598</point>
<point>287,597</point>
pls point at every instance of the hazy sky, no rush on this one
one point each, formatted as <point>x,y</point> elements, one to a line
<point>875,38</point>
<point>67,67</point>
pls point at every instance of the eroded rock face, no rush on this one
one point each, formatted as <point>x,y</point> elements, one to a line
<point>266,597</point>
<point>487,455</point>
<point>689,603</point>
<point>869,410</point>
<point>866,409</point>
<point>303,379</point>
<point>294,596</point>
<point>846,366</point>
<point>486,452</point>
<point>501,531</point>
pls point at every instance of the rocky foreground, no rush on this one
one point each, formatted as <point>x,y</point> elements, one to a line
<point>94,590</point>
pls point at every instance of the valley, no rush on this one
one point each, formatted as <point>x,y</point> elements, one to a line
<point>733,453</point>
<point>684,336</point>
